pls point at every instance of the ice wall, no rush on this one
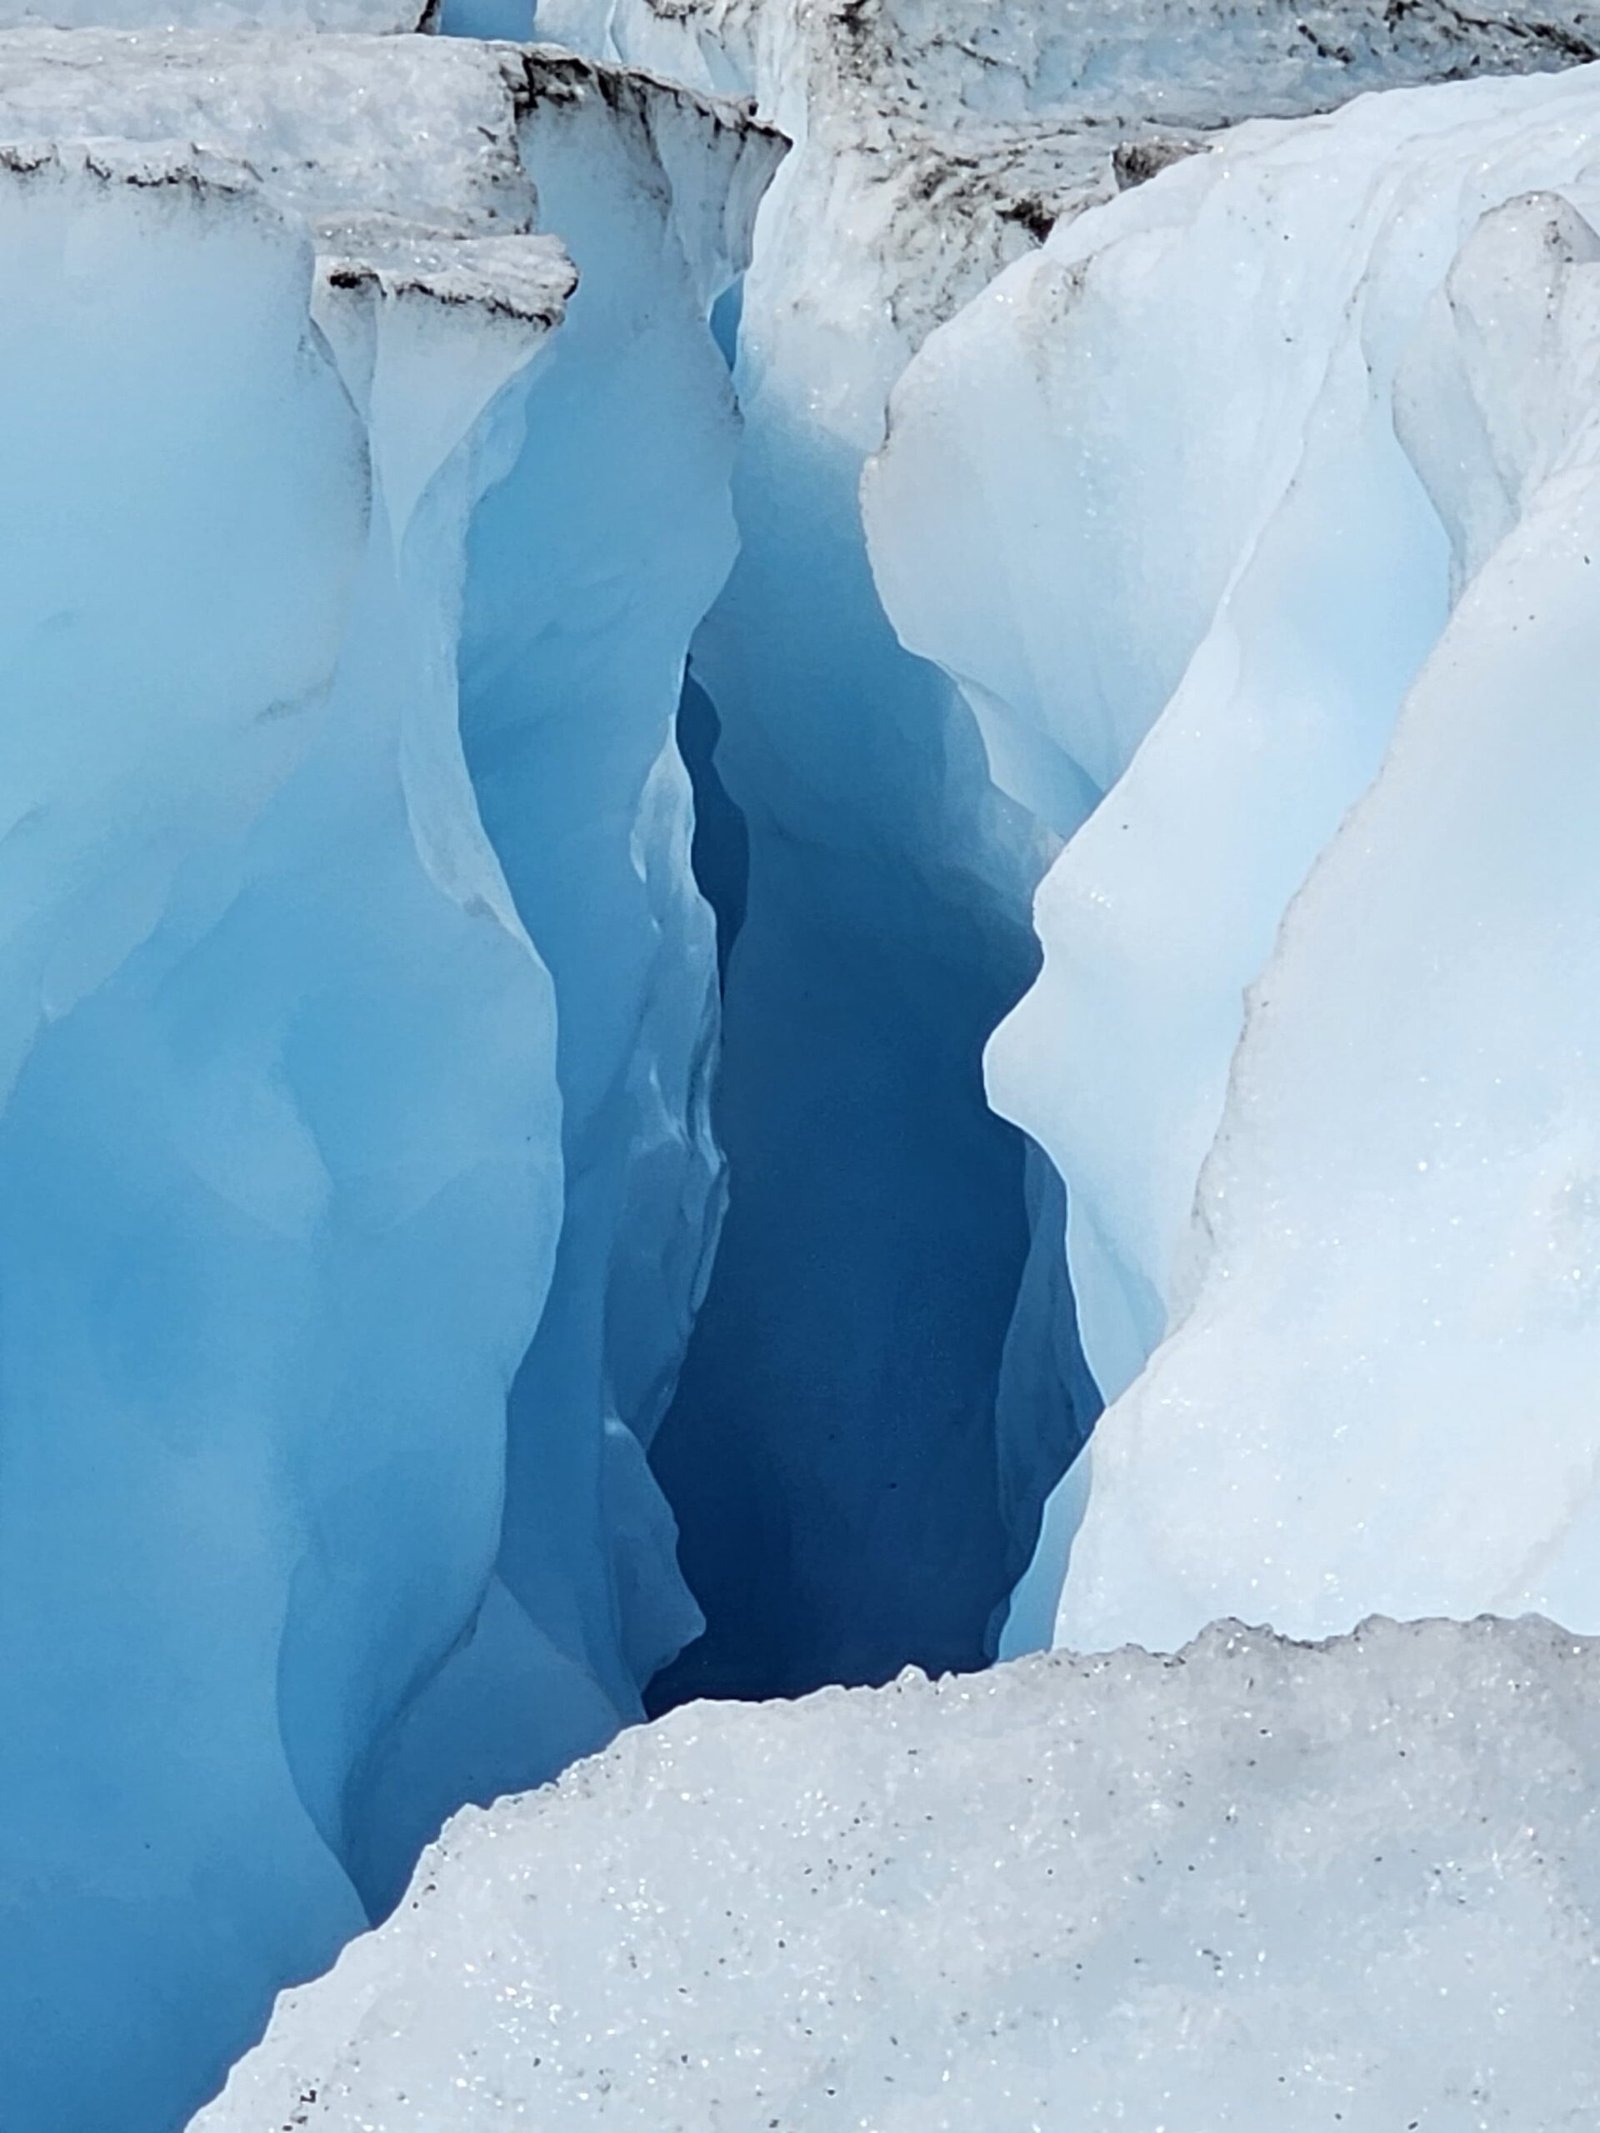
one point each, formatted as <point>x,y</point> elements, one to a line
<point>1120,501</point>
<point>287,1148</point>
<point>1186,500</point>
<point>1259,1886</point>
<point>278,1219</point>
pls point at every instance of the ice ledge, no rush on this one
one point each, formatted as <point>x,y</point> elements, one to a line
<point>156,166</point>
<point>717,157</point>
<point>526,279</point>
<point>407,158</point>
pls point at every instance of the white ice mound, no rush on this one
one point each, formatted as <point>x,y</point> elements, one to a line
<point>1253,1887</point>
<point>1185,501</point>
<point>295,1028</point>
<point>1383,1390</point>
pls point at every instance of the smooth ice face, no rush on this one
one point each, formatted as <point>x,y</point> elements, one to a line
<point>1382,1390</point>
<point>1171,542</point>
<point>287,1084</point>
<point>1134,497</point>
<point>1257,1886</point>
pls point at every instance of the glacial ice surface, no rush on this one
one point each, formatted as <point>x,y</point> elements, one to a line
<point>357,1005</point>
<point>1255,1886</point>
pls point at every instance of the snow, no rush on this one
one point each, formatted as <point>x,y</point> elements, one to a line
<point>1259,1885</point>
<point>1208,472</point>
<point>293,1050</point>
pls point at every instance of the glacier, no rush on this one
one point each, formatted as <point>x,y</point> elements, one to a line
<point>1254,1886</point>
<point>316,1090</point>
<point>744,757</point>
<point>1233,543</point>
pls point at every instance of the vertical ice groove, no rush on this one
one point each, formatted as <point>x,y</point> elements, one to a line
<point>589,565</point>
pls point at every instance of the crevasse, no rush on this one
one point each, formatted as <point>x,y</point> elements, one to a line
<point>882,1383</point>
<point>887,1332</point>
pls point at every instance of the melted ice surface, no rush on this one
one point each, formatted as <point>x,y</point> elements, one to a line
<point>1256,1886</point>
